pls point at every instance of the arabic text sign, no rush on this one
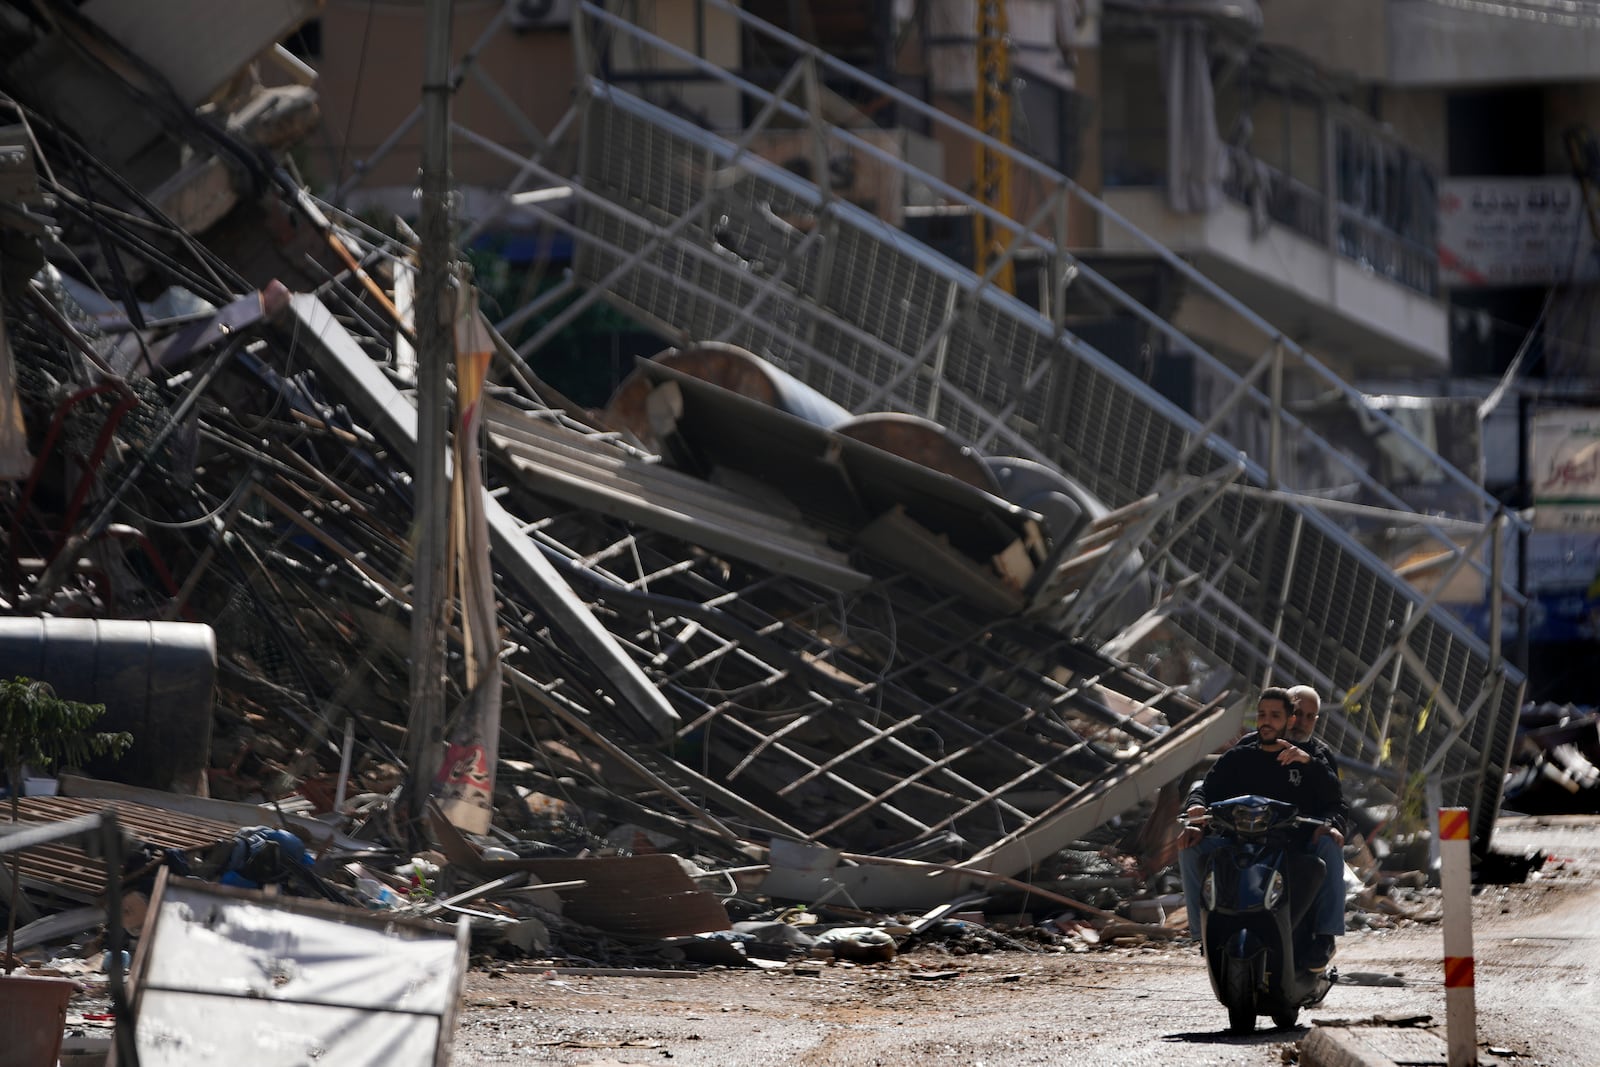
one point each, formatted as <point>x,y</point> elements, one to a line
<point>1514,231</point>
<point>1566,469</point>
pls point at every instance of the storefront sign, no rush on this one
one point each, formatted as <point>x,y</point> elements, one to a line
<point>1566,469</point>
<point>1514,231</point>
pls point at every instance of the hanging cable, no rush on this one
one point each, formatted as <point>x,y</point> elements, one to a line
<point>355,96</point>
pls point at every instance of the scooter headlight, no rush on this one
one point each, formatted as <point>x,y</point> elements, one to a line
<point>1208,890</point>
<point>1274,891</point>
<point>1252,818</point>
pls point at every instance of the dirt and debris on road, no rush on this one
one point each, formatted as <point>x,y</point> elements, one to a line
<point>1113,1006</point>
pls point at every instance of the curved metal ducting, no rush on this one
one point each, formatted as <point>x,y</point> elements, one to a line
<point>921,441</point>
<point>733,368</point>
<point>156,679</point>
<point>1068,509</point>
<point>741,371</point>
<point>1065,506</point>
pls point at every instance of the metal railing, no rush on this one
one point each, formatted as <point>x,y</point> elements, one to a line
<point>874,319</point>
<point>1379,249</point>
<point>1275,195</point>
<point>1032,235</point>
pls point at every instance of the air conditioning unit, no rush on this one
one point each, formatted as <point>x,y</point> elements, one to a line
<point>526,15</point>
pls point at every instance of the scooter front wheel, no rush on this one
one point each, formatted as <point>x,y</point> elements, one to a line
<point>1242,1019</point>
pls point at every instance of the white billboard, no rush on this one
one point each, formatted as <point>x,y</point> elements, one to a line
<point>1514,231</point>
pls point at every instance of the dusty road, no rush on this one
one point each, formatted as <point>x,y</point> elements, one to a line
<point>1538,996</point>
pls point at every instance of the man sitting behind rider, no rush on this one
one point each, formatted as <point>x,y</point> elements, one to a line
<point>1267,764</point>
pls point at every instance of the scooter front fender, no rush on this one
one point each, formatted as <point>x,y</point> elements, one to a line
<point>1238,967</point>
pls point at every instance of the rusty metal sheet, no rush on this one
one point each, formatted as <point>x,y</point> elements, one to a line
<point>648,896</point>
<point>68,871</point>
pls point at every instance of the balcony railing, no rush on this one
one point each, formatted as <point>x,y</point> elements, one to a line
<point>1271,194</point>
<point>1381,250</point>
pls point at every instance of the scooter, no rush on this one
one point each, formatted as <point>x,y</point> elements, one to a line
<point>1258,888</point>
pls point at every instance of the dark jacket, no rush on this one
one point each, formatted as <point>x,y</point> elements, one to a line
<point>1340,820</point>
<point>1245,769</point>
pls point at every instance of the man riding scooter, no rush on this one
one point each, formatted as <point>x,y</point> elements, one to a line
<point>1268,764</point>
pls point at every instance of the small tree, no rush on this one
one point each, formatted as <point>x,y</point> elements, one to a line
<point>39,729</point>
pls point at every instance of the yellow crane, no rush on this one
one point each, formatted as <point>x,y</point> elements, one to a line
<point>992,116</point>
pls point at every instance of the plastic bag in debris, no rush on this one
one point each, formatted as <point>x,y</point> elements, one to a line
<point>773,932</point>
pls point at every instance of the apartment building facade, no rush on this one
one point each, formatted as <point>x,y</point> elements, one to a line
<point>1502,103</point>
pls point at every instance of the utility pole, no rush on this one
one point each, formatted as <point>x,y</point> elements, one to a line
<point>435,352</point>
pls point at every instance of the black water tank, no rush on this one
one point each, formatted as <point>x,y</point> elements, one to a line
<point>156,679</point>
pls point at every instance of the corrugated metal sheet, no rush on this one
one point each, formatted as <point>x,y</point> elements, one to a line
<point>68,871</point>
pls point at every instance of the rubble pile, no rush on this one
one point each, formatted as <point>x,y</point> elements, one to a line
<point>237,462</point>
<point>1555,767</point>
<point>779,685</point>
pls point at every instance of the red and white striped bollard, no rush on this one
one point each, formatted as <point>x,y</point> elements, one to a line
<point>1455,881</point>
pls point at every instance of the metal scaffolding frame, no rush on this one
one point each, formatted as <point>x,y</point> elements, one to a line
<point>887,716</point>
<point>1258,560</point>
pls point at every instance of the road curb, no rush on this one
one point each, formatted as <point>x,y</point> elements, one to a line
<point>1329,1046</point>
<point>1377,1046</point>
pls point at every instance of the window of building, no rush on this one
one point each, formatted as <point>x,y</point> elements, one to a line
<point>1133,111</point>
<point>1048,123</point>
<point>1497,134</point>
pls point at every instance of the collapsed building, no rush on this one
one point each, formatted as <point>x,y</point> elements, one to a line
<point>878,559</point>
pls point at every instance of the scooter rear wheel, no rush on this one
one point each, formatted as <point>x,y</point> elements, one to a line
<point>1241,1020</point>
<point>1286,1017</point>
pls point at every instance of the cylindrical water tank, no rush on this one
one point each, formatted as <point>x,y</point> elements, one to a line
<point>156,679</point>
<point>733,368</point>
<point>922,441</point>
<point>1065,506</point>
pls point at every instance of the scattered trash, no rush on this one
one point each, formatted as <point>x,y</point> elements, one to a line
<point>859,943</point>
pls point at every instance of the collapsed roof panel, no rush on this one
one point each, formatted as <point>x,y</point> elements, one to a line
<point>565,464</point>
<point>198,45</point>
